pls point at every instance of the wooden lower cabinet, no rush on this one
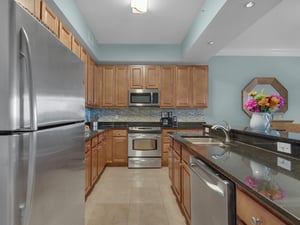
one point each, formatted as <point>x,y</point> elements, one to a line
<point>88,166</point>
<point>185,184</point>
<point>120,148</point>
<point>176,175</point>
<point>95,160</point>
<point>179,174</point>
<point>251,212</point>
<point>166,142</point>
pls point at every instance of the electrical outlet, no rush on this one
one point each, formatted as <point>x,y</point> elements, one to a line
<point>206,130</point>
<point>284,163</point>
<point>284,147</point>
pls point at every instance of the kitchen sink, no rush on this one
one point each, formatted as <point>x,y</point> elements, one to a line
<point>204,141</point>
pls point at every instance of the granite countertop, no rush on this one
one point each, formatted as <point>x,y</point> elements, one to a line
<point>102,126</point>
<point>256,170</point>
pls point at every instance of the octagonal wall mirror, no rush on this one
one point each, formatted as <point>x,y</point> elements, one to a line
<point>270,85</point>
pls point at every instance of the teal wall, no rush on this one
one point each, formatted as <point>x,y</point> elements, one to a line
<point>228,75</point>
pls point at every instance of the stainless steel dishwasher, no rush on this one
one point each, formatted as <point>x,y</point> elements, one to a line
<point>212,196</point>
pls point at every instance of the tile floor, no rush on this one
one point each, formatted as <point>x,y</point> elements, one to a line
<point>125,196</point>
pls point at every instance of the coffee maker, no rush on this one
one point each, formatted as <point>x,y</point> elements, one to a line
<point>166,119</point>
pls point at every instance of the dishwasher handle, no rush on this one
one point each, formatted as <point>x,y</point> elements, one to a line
<point>209,178</point>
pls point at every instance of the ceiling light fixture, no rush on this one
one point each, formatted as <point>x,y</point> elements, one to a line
<point>211,42</point>
<point>139,6</point>
<point>249,4</point>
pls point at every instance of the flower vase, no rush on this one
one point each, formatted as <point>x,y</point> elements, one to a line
<point>260,121</point>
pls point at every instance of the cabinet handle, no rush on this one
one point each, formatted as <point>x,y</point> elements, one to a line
<point>255,221</point>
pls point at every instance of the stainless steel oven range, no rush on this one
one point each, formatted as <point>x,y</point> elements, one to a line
<point>144,147</point>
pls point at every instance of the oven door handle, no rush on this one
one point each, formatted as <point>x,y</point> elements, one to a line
<point>137,136</point>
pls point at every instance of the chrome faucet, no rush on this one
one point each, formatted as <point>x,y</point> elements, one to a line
<point>225,130</point>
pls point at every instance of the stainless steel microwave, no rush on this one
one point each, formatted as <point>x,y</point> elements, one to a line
<point>143,97</point>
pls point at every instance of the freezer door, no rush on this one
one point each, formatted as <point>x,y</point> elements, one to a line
<point>44,84</point>
<point>42,177</point>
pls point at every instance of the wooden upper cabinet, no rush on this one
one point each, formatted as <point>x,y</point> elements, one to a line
<point>136,76</point>
<point>65,36</point>
<point>183,86</point>
<point>191,86</point>
<point>115,86</point>
<point>167,86</point>
<point>90,82</point>
<point>28,4</point>
<point>121,86</point>
<point>200,86</point>
<point>142,76</point>
<point>97,86</point>
<point>152,75</point>
<point>76,47</point>
<point>108,88</point>
<point>50,19</point>
<point>34,6</point>
<point>84,58</point>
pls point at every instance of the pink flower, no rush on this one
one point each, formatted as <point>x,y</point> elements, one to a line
<point>251,182</point>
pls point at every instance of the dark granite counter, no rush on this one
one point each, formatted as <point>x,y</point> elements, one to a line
<point>92,133</point>
<point>102,126</point>
<point>273,179</point>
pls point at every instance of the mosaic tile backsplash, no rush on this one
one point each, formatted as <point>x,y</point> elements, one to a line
<point>142,114</point>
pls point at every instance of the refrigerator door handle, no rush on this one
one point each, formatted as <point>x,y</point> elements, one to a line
<point>25,207</point>
<point>25,52</point>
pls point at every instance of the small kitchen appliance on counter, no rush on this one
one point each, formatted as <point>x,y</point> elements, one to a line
<point>166,119</point>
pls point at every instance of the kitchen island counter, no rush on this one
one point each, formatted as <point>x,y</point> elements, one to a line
<point>272,179</point>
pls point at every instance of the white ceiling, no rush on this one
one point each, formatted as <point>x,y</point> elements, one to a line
<point>272,27</point>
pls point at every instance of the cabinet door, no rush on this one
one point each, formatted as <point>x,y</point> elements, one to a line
<point>90,82</point>
<point>84,58</point>
<point>108,88</point>
<point>167,86</point>
<point>121,86</point>
<point>76,47</point>
<point>120,152</point>
<point>136,74</point>
<point>186,190</point>
<point>94,164</point>
<point>28,4</point>
<point>176,175</point>
<point>37,8</point>
<point>183,86</point>
<point>170,162</point>
<point>200,86</point>
<point>108,147</point>
<point>88,166</point>
<point>152,77</point>
<point>49,18</point>
<point>100,156</point>
<point>65,36</point>
<point>97,86</point>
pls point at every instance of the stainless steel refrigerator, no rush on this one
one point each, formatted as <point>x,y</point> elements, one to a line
<point>41,124</point>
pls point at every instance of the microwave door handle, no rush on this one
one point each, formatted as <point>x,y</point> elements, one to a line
<point>25,53</point>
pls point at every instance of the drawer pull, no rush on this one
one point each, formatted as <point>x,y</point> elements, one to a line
<point>255,221</point>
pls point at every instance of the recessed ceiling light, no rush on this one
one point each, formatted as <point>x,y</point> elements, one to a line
<point>210,42</point>
<point>249,4</point>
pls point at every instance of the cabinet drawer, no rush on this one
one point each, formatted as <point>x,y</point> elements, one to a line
<point>117,133</point>
<point>185,155</point>
<point>94,141</point>
<point>248,209</point>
